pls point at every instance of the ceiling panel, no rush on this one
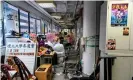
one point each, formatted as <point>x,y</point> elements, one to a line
<point>65,9</point>
<point>61,8</point>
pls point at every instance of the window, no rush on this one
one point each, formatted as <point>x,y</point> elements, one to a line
<point>24,27</point>
<point>38,26</point>
<point>42,27</point>
<point>10,19</point>
<point>45,28</point>
<point>32,25</point>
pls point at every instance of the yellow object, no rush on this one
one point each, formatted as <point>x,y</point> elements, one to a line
<point>44,72</point>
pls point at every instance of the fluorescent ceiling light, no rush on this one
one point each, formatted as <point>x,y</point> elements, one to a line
<point>60,21</point>
<point>23,24</point>
<point>57,17</point>
<point>47,5</point>
<point>70,24</point>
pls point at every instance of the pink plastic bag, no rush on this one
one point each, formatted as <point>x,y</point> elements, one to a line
<point>50,37</point>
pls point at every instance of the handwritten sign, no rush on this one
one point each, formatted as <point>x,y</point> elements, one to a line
<point>24,51</point>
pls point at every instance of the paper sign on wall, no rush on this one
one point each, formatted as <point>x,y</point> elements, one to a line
<point>126,31</point>
<point>92,41</point>
<point>24,51</point>
<point>111,44</point>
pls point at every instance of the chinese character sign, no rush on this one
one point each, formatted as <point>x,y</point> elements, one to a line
<point>24,51</point>
<point>119,14</point>
<point>21,49</point>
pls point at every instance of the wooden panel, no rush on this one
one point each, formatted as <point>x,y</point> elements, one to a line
<point>46,74</point>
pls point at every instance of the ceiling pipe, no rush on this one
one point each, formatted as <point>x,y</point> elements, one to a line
<point>36,6</point>
<point>66,9</point>
<point>75,8</point>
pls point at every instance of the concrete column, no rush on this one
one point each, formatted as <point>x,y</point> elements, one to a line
<point>89,29</point>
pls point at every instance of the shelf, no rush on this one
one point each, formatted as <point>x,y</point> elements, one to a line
<point>13,37</point>
<point>121,54</point>
<point>118,53</point>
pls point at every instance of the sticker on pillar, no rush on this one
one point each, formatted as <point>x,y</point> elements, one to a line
<point>92,41</point>
<point>111,44</point>
<point>119,14</point>
<point>126,31</point>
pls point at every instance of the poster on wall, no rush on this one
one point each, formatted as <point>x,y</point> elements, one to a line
<point>24,51</point>
<point>126,31</point>
<point>111,44</point>
<point>119,14</point>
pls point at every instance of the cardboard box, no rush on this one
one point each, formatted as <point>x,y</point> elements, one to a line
<point>44,72</point>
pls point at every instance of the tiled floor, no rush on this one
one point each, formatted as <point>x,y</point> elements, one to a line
<point>59,75</point>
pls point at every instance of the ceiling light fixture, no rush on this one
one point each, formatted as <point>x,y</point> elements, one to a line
<point>47,5</point>
<point>57,17</point>
<point>60,21</point>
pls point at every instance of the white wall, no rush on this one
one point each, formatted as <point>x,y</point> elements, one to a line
<point>103,17</point>
<point>122,68</point>
<point>122,42</point>
<point>102,36</point>
<point>131,41</point>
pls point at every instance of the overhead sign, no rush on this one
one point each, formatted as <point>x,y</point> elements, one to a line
<point>24,51</point>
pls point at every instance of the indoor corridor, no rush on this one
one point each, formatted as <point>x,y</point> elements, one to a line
<point>66,40</point>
